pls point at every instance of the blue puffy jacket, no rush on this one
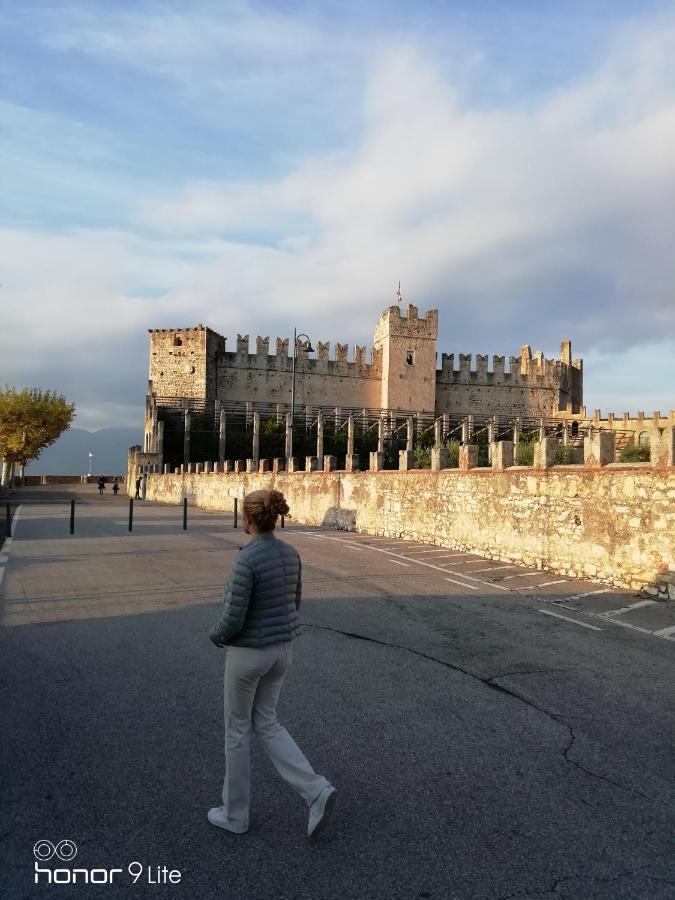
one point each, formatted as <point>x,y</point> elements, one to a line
<point>262,595</point>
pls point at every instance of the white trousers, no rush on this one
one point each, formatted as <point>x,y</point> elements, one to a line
<point>253,679</point>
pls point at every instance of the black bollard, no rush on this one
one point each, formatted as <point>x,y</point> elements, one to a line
<point>131,513</point>
<point>184,513</point>
<point>72,517</point>
<point>282,521</point>
<point>236,505</point>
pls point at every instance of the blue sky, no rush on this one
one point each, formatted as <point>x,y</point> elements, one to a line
<point>254,166</point>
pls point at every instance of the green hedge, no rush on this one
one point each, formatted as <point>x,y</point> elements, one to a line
<point>633,453</point>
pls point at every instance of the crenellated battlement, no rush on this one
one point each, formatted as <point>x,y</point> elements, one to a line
<point>362,358</point>
<point>524,369</point>
<point>392,323</point>
<point>400,370</point>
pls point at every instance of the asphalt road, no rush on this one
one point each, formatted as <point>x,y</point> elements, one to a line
<point>492,732</point>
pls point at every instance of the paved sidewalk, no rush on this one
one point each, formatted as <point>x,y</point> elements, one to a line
<point>481,748</point>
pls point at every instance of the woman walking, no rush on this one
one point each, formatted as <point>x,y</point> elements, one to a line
<point>259,622</point>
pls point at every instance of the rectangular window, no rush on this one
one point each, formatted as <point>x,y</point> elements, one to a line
<point>410,358</point>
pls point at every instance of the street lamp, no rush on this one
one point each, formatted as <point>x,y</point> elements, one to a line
<point>91,456</point>
<point>310,349</point>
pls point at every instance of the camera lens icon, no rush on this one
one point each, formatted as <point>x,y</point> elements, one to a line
<point>65,850</point>
<point>44,850</point>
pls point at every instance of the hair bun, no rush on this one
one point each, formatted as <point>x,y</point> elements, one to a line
<point>263,508</point>
<point>278,503</point>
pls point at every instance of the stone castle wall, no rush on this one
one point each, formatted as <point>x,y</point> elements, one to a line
<point>266,378</point>
<point>400,372</point>
<point>615,524</point>
<point>532,386</point>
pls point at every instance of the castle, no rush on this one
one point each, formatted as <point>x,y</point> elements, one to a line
<point>401,373</point>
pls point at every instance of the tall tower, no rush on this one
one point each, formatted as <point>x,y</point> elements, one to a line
<point>408,346</point>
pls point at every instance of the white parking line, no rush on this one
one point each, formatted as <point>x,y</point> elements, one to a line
<point>588,594</point>
<point>665,632</point>
<point>495,569</point>
<point>3,559</point>
<point>463,584</point>
<point>547,612</point>
<point>623,609</point>
<point>428,565</point>
<point>522,575</point>
<point>451,556</point>
<point>549,583</point>
<point>437,550</point>
<point>399,563</point>
<point>614,621</point>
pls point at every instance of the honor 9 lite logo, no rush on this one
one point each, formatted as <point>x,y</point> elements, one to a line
<point>66,851</point>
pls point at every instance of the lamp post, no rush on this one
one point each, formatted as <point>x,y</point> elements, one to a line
<point>91,456</point>
<point>310,349</point>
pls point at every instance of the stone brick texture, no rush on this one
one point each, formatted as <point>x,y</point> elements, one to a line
<point>615,525</point>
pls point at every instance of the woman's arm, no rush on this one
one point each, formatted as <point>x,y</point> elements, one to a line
<point>237,598</point>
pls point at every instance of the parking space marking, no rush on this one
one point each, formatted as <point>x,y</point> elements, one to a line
<point>588,594</point>
<point>463,584</point>
<point>428,565</point>
<point>451,556</point>
<point>549,583</point>
<point>467,575</point>
<point>436,550</point>
<point>665,632</point>
<point>613,621</point>
<point>522,575</point>
<point>623,609</point>
<point>547,612</point>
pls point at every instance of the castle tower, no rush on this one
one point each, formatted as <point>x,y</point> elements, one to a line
<point>182,361</point>
<point>408,347</point>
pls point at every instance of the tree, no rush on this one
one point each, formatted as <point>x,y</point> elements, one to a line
<point>30,420</point>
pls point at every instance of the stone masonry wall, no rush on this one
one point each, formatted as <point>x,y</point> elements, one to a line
<point>616,525</point>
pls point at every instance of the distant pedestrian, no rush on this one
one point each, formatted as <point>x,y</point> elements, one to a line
<point>259,622</point>
<point>137,495</point>
<point>101,485</point>
<point>116,486</point>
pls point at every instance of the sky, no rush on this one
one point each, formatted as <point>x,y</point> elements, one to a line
<point>260,166</point>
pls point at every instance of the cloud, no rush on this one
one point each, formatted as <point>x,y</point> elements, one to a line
<point>524,221</point>
<point>563,207</point>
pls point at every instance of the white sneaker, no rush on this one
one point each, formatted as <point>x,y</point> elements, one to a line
<point>216,816</point>
<point>320,810</point>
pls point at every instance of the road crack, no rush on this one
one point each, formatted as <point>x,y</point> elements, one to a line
<point>491,682</point>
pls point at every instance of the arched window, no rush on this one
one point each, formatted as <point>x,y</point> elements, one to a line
<point>177,340</point>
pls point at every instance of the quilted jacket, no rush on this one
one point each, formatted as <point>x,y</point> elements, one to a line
<point>262,595</point>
